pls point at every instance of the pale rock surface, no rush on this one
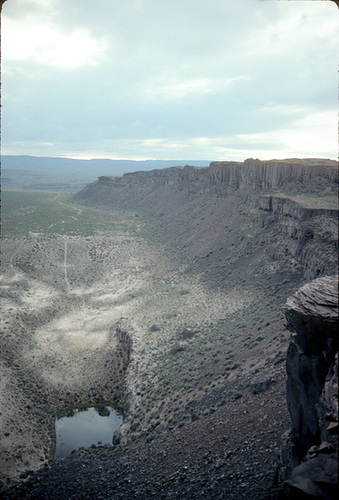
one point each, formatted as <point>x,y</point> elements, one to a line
<point>312,389</point>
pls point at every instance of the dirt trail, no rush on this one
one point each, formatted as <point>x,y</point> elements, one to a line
<point>194,349</point>
<point>64,338</point>
<point>65,267</point>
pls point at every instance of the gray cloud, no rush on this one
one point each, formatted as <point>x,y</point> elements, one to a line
<point>169,78</point>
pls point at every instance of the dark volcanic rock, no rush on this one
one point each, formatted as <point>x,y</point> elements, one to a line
<point>317,478</point>
<point>231,454</point>
<point>236,216</point>
<point>262,385</point>
<point>312,314</point>
<point>298,175</point>
<point>312,389</point>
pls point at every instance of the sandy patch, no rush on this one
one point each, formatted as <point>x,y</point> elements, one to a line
<point>67,345</point>
<point>80,329</point>
<point>39,296</point>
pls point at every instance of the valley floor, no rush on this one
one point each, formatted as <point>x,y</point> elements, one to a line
<point>204,392</point>
<point>231,454</point>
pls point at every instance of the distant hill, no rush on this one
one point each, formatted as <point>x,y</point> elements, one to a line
<point>35,172</point>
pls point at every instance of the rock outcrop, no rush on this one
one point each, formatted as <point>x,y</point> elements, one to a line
<point>301,174</point>
<point>312,389</point>
<point>288,206</point>
<point>298,175</point>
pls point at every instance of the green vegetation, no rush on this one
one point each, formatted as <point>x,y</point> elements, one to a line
<point>327,201</point>
<point>50,212</point>
<point>236,395</point>
<point>198,371</point>
<point>101,408</point>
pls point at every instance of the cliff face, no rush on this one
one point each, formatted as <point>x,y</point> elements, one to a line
<point>222,213</point>
<point>275,174</point>
<point>317,177</point>
<point>251,174</point>
<point>312,389</point>
<point>288,207</point>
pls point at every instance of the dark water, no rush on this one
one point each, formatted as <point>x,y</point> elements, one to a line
<point>84,429</point>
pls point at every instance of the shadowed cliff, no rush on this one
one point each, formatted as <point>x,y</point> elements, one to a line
<point>279,216</point>
<point>312,390</point>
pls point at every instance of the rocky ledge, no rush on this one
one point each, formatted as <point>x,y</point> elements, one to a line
<point>312,391</point>
<point>295,175</point>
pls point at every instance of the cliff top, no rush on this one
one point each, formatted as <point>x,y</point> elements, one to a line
<point>305,162</point>
<point>325,201</point>
<point>312,313</point>
<point>310,182</point>
<point>318,298</point>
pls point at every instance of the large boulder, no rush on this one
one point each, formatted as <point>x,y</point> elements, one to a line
<point>312,315</point>
<point>312,389</point>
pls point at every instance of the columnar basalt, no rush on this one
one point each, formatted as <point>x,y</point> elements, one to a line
<point>294,201</point>
<point>274,174</point>
<point>254,175</point>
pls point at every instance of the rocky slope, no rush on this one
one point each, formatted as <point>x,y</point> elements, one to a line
<point>209,259</point>
<point>281,214</point>
<point>217,457</point>
<point>231,453</point>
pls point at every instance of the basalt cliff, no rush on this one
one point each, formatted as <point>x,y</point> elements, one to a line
<point>271,223</point>
<point>279,215</point>
<point>312,390</point>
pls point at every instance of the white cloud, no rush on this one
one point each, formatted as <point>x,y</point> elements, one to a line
<point>315,132</point>
<point>46,45</point>
<point>272,144</point>
<point>291,31</point>
<point>313,135</point>
<point>199,79</point>
<point>181,89</point>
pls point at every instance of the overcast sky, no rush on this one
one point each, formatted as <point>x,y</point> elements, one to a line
<point>170,79</point>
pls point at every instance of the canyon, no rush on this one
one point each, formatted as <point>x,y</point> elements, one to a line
<point>163,291</point>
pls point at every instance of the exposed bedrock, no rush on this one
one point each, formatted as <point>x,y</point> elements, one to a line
<point>287,207</point>
<point>275,174</point>
<point>299,175</point>
<point>284,210</point>
<point>312,389</point>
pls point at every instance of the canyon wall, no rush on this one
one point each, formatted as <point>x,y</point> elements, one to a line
<point>275,174</point>
<point>313,177</point>
<point>251,174</point>
<point>274,225</point>
<point>289,207</point>
<point>286,206</point>
<point>312,390</point>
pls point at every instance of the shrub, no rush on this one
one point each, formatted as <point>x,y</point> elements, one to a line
<point>236,395</point>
